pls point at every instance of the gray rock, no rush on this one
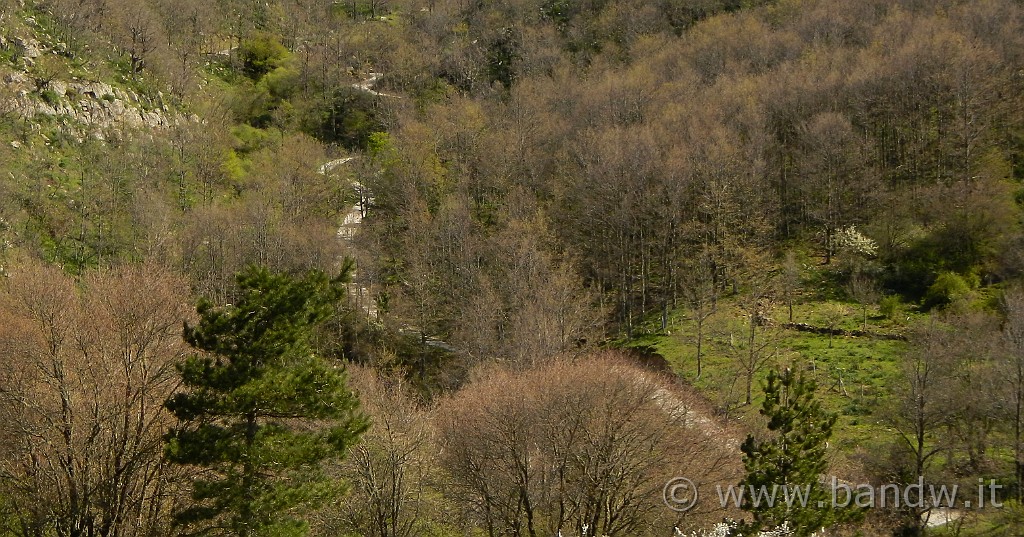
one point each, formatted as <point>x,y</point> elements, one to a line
<point>29,48</point>
<point>16,78</point>
<point>58,87</point>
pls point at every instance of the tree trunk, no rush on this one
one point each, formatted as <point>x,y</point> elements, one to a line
<point>700,343</point>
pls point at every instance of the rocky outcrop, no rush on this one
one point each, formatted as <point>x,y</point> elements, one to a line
<point>81,107</point>
<point>96,106</point>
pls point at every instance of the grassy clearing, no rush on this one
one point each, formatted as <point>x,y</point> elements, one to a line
<point>868,367</point>
<point>854,374</point>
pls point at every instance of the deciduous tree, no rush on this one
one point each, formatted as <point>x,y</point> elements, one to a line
<point>558,448</point>
<point>85,366</point>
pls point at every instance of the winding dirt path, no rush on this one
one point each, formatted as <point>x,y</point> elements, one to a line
<point>362,295</point>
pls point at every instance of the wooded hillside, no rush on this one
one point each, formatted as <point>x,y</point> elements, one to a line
<point>515,189</point>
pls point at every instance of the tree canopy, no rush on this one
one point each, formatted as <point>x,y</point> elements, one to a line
<point>791,461</point>
<point>251,392</point>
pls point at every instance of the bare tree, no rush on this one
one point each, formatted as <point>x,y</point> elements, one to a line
<point>1013,369</point>
<point>864,290</point>
<point>85,370</point>
<point>790,280</point>
<point>756,300</point>
<point>700,290</point>
<point>560,449</point>
<point>834,184</point>
<point>921,408</point>
<point>391,469</point>
<point>833,315</point>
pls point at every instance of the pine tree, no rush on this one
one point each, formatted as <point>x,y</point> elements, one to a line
<point>260,412</point>
<point>792,459</point>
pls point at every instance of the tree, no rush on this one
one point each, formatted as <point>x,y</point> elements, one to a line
<point>700,290</point>
<point>790,280</point>
<point>974,369</point>
<point>863,289</point>
<point>261,412</point>
<point>557,449</point>
<point>793,457</point>
<point>392,467</point>
<point>835,187</point>
<point>1013,369</point>
<point>83,371</point>
<point>922,410</point>
<point>755,301</point>
<point>833,314</point>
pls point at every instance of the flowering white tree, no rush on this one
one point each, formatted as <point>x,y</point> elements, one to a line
<point>850,239</point>
<point>728,528</point>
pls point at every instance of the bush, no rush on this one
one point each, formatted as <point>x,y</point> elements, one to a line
<point>249,139</point>
<point>261,54</point>
<point>50,97</point>
<point>253,104</point>
<point>282,83</point>
<point>889,306</point>
<point>949,287</point>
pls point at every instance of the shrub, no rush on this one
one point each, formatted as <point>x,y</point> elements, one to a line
<point>282,82</point>
<point>50,97</point>
<point>261,54</point>
<point>949,287</point>
<point>889,306</point>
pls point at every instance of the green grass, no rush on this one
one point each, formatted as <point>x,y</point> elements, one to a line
<point>867,366</point>
<point>1004,522</point>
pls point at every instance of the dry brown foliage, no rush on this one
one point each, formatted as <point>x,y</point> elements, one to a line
<point>582,446</point>
<point>84,369</point>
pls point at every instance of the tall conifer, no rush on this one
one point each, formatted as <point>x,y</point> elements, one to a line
<point>259,411</point>
<point>789,465</point>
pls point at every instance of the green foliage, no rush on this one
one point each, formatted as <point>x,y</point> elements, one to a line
<point>232,167</point>
<point>359,9</point>
<point>260,411</point>
<point>379,145</point>
<point>948,288</point>
<point>265,103</point>
<point>889,306</point>
<point>50,97</point>
<point>348,117</point>
<point>253,104</point>
<point>281,83</point>
<point>8,519</point>
<point>503,55</point>
<point>261,54</point>
<point>249,138</point>
<point>1011,515</point>
<point>561,12</point>
<point>793,456</point>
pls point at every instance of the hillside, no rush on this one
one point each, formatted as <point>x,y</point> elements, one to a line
<point>513,190</point>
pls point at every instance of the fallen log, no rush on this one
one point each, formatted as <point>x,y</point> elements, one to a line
<point>804,327</point>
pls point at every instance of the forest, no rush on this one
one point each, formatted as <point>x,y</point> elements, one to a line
<point>404,268</point>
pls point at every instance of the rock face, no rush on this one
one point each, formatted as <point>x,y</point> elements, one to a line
<point>30,48</point>
<point>89,104</point>
<point>81,107</point>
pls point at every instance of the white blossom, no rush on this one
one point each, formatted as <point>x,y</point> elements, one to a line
<point>726,528</point>
<point>852,240</point>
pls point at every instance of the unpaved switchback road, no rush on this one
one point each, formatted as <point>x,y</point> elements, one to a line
<point>363,297</point>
